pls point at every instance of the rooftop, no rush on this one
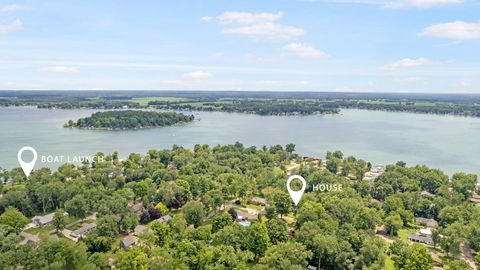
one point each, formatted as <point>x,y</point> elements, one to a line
<point>164,218</point>
<point>421,239</point>
<point>128,241</point>
<point>43,219</point>
<point>85,228</point>
<point>139,229</point>
<point>432,223</point>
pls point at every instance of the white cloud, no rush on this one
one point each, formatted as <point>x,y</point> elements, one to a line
<point>304,50</point>
<point>59,69</point>
<point>410,79</point>
<point>256,25</point>
<point>267,30</point>
<point>407,63</point>
<point>458,30</point>
<point>304,82</point>
<point>248,18</point>
<point>217,55</point>
<point>173,82</point>
<point>197,75</point>
<point>420,3</point>
<point>190,79</point>
<point>395,3</point>
<point>13,26</point>
<point>206,18</point>
<point>20,86</point>
<point>12,8</point>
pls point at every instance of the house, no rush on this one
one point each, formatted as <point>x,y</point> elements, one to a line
<point>242,216</point>
<point>139,229</point>
<point>427,194</point>
<point>378,169</point>
<point>421,239</point>
<point>259,201</point>
<point>474,199</point>
<point>374,172</point>
<point>427,222</point>
<point>41,221</point>
<point>137,207</point>
<point>128,242</point>
<point>171,167</point>
<point>164,218</point>
<point>82,231</point>
<point>426,232</point>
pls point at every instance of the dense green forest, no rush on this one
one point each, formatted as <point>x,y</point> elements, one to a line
<point>204,188</point>
<point>130,119</point>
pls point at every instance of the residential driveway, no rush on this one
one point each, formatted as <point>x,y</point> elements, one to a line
<point>66,233</point>
<point>385,238</point>
<point>28,237</point>
<point>468,256</point>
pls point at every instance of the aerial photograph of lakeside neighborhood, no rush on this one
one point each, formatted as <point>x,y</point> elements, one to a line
<point>293,134</point>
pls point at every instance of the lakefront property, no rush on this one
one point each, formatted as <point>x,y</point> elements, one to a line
<point>237,135</point>
<point>134,215</point>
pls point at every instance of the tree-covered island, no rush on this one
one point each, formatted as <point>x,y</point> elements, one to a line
<point>130,119</point>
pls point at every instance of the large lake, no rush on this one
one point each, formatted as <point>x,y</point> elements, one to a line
<point>447,142</point>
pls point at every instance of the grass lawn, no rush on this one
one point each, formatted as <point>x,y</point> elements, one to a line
<point>253,206</point>
<point>403,233</point>
<point>45,229</point>
<point>291,215</point>
<point>80,224</point>
<point>75,227</point>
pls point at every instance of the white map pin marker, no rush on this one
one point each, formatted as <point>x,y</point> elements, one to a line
<point>296,195</point>
<point>27,167</point>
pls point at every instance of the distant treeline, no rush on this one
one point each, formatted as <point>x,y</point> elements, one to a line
<point>261,107</point>
<point>130,120</point>
<point>432,108</point>
<point>68,103</point>
<point>261,103</point>
<point>93,94</point>
<point>305,107</point>
<point>100,104</point>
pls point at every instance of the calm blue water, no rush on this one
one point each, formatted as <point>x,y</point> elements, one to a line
<point>446,142</point>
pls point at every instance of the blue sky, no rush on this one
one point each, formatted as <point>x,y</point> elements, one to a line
<point>281,45</point>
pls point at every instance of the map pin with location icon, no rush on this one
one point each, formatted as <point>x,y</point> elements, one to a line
<point>27,167</point>
<point>296,195</point>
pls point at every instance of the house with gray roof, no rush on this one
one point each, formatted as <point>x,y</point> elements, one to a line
<point>45,220</point>
<point>139,229</point>
<point>128,242</point>
<point>164,218</point>
<point>421,239</point>
<point>259,201</point>
<point>82,231</point>
<point>427,194</point>
<point>427,222</point>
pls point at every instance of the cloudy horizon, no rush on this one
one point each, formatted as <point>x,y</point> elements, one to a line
<point>427,46</point>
